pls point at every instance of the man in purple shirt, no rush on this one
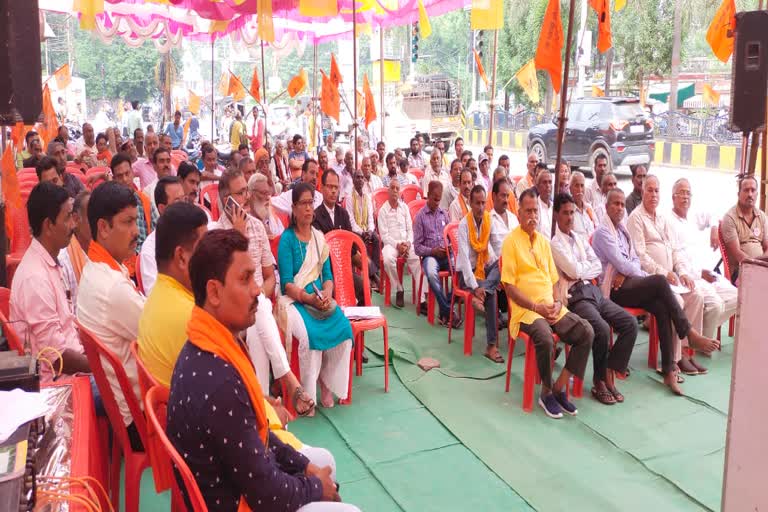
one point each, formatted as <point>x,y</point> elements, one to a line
<point>630,287</point>
<point>428,243</point>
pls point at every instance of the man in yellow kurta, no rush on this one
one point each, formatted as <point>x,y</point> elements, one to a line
<point>529,276</point>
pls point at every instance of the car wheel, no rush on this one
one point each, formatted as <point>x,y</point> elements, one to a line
<point>537,148</point>
<point>599,150</point>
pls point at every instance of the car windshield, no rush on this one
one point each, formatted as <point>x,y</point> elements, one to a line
<point>627,111</point>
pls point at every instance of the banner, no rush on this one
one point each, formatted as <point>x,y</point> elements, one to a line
<point>528,80</point>
<point>549,51</point>
<point>718,35</point>
<point>370,105</point>
<point>425,27</point>
<point>603,10</point>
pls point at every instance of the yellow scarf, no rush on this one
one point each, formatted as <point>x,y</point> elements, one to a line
<point>207,333</point>
<point>480,243</point>
<point>360,208</point>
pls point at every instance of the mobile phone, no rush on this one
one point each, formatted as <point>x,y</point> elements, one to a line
<point>318,291</point>
<point>232,204</point>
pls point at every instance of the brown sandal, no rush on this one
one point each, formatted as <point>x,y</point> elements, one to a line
<point>604,397</point>
<point>300,396</point>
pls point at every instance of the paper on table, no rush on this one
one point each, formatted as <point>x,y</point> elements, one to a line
<point>19,407</point>
<point>355,312</point>
<point>679,289</point>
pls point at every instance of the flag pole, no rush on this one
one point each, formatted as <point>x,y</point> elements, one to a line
<point>354,76</point>
<point>213,94</point>
<point>264,93</point>
<point>563,103</point>
<point>318,136</point>
<point>493,85</point>
<point>381,80</point>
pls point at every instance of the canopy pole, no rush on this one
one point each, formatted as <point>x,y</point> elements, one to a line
<point>381,81</point>
<point>213,92</point>
<point>318,135</point>
<point>563,104</point>
<point>354,77</point>
<point>264,93</point>
<point>493,85</point>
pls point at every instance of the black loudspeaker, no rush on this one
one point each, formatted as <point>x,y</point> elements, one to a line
<point>749,77</point>
<point>21,96</point>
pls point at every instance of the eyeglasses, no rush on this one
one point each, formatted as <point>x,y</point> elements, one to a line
<point>683,194</point>
<point>307,203</point>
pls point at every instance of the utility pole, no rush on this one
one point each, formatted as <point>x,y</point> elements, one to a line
<point>582,51</point>
<point>675,69</point>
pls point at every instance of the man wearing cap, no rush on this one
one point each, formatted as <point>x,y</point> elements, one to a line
<point>484,179</point>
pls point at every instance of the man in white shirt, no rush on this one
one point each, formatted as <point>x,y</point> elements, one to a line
<point>345,176</point>
<point>360,208</point>
<point>416,159</point>
<point>284,202</point>
<point>504,221</point>
<point>594,194</point>
<point>451,189</point>
<point>258,200</point>
<point>372,182</point>
<point>578,265</point>
<point>478,265</point>
<point>167,191</point>
<point>720,296</point>
<point>212,171</point>
<point>460,206</point>
<point>143,168</point>
<point>86,142</point>
<point>544,187</point>
<point>396,231</point>
<point>108,304</point>
<point>435,173</point>
<point>529,180</point>
<point>484,178</point>
<point>585,220</point>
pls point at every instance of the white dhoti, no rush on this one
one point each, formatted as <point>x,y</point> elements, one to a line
<point>265,346</point>
<point>331,366</point>
<point>389,255</point>
<point>720,301</point>
<point>320,457</point>
<point>693,307</point>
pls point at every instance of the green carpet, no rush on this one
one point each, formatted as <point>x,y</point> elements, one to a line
<point>452,440</point>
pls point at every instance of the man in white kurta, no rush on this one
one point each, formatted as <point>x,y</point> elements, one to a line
<point>396,232</point>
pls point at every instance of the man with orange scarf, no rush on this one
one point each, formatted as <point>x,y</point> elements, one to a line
<point>74,257</point>
<point>478,264</point>
<point>220,423</point>
<point>460,206</point>
<point>108,303</point>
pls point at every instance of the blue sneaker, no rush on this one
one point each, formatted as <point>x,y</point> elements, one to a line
<point>550,406</point>
<point>566,405</point>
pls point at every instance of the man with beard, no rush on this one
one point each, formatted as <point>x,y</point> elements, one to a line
<point>529,180</point>
<point>71,184</point>
<point>460,206</point>
<point>260,207</point>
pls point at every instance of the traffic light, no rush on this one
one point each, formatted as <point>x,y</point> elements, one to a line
<point>415,43</point>
<point>479,43</point>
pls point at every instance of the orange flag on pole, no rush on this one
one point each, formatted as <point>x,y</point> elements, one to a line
<point>370,105</point>
<point>480,68</point>
<point>720,32</point>
<point>255,86</point>
<point>330,101</point>
<point>194,102</point>
<point>603,10</point>
<point>298,83</point>
<point>710,96</point>
<point>49,128</point>
<point>335,77</point>
<point>63,77</point>
<point>236,88</point>
<point>549,52</point>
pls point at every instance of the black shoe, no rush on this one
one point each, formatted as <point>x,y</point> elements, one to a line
<point>400,300</point>
<point>423,308</point>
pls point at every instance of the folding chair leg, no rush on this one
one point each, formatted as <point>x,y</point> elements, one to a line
<point>653,344</point>
<point>732,326</point>
<point>530,377</point>
<point>386,358</point>
<point>509,362</point>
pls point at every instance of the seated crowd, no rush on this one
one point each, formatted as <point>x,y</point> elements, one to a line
<point>220,284</point>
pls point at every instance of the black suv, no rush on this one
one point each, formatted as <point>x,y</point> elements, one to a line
<point>616,127</point>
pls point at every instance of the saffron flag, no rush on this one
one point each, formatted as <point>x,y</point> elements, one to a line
<point>335,76</point>
<point>480,68</point>
<point>370,105</point>
<point>297,83</point>
<point>330,101</point>
<point>486,15</point>
<point>63,77</point>
<point>236,88</point>
<point>710,96</point>
<point>549,51</point>
<point>266,28</point>
<point>194,102</point>
<point>425,27</point>
<point>619,5</point>
<point>720,32</point>
<point>49,128</point>
<point>223,86</point>
<point>255,86</point>
<point>528,80</point>
<point>318,8</point>
<point>597,91</point>
<point>603,10</point>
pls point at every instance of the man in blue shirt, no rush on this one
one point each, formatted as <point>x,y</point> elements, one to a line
<point>176,131</point>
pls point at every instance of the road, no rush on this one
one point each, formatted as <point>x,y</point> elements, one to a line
<point>713,191</point>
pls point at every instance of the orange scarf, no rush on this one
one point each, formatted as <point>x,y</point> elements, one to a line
<point>98,254</point>
<point>77,257</point>
<point>479,243</point>
<point>208,334</point>
<point>463,204</point>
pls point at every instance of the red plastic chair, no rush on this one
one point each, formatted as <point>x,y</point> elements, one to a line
<point>380,197</point>
<point>22,235</point>
<point>26,171</point>
<point>419,173</point>
<point>79,175</point>
<point>727,272</point>
<point>14,342</point>
<point>28,178</point>
<point>410,193</point>
<point>451,240</point>
<point>135,462</point>
<point>274,244</point>
<point>340,244</point>
<point>284,218</point>
<point>212,191</point>
<point>156,406</point>
<point>96,170</point>
<point>5,302</point>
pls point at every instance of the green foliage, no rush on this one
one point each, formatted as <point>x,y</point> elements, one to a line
<point>642,38</point>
